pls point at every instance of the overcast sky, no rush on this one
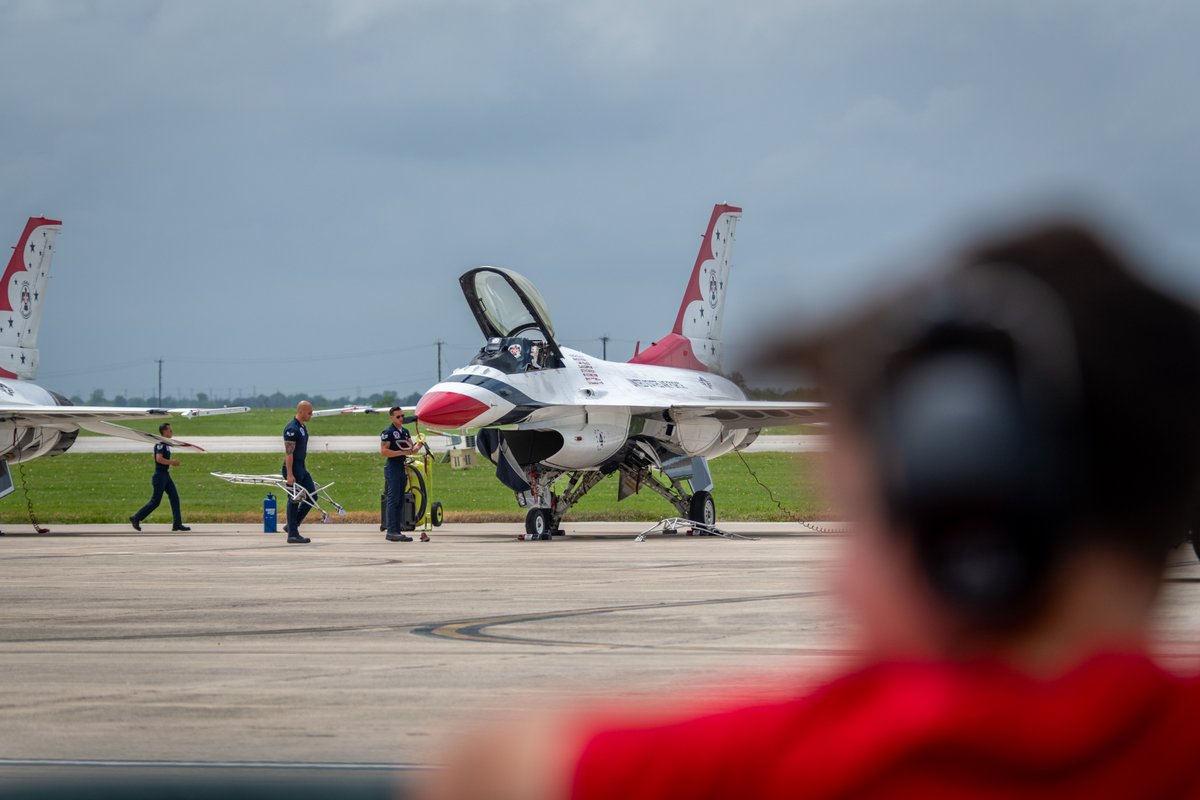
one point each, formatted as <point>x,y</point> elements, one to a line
<point>281,195</point>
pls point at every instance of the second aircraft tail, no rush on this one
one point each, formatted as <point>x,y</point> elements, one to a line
<point>22,296</point>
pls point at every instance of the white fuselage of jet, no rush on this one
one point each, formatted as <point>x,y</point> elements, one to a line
<point>592,402</point>
<point>22,442</point>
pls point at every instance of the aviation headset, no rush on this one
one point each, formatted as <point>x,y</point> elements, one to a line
<point>975,422</point>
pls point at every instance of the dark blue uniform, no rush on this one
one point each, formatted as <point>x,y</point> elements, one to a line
<point>161,481</point>
<point>295,433</point>
<point>395,475</point>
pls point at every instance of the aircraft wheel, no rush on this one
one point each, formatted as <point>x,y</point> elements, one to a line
<point>537,523</point>
<point>703,509</point>
<point>436,514</point>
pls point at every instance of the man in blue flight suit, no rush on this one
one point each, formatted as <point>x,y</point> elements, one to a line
<point>394,445</point>
<point>161,481</point>
<point>295,448</point>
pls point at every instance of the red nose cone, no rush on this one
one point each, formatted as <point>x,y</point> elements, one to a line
<point>448,409</point>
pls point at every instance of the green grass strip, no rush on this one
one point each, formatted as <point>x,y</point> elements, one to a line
<point>95,487</point>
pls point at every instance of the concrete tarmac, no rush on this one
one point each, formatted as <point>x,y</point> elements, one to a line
<point>226,645</point>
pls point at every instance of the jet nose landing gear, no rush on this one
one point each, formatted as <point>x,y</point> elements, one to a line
<point>539,525</point>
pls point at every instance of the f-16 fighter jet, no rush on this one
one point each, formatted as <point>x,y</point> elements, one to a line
<point>556,421</point>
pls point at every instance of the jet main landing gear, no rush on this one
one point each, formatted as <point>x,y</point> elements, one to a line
<point>701,508</point>
<point>541,523</point>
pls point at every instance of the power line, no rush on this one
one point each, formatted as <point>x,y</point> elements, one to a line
<point>442,345</point>
<point>101,368</point>
<point>301,359</point>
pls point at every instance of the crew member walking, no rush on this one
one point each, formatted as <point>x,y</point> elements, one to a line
<point>161,481</point>
<point>295,448</point>
<point>394,445</point>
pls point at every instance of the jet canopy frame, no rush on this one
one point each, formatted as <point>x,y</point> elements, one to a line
<point>507,305</point>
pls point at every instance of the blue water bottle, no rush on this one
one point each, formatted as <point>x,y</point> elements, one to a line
<point>269,514</point>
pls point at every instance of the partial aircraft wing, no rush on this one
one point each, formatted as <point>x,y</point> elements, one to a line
<point>329,412</point>
<point>191,413</point>
<point>735,415</point>
<point>732,414</point>
<point>99,419</point>
<point>108,429</point>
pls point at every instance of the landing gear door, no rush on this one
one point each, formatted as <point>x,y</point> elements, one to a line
<point>506,304</point>
<point>6,481</point>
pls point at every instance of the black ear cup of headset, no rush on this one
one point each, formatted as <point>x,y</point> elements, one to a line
<point>974,430</point>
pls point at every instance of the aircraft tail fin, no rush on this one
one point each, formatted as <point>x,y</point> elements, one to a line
<point>22,296</point>
<point>695,341</point>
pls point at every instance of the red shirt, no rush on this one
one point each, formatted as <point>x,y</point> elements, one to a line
<point>1116,726</point>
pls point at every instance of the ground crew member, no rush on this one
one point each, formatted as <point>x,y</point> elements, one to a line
<point>295,448</point>
<point>395,445</point>
<point>161,481</point>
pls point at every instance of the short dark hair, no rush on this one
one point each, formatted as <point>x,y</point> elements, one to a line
<point>1138,355</point>
<point>163,427</point>
<point>394,409</point>
<point>1139,360</point>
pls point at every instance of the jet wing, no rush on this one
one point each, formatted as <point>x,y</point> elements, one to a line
<point>192,413</point>
<point>737,414</point>
<point>68,415</point>
<point>732,414</point>
<point>329,412</point>
<point>97,419</point>
<point>108,429</point>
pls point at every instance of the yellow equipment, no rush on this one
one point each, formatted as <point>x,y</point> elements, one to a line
<point>427,514</point>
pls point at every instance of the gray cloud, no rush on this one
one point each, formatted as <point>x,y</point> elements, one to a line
<point>249,183</point>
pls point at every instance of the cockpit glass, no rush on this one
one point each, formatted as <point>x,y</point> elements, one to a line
<point>503,305</point>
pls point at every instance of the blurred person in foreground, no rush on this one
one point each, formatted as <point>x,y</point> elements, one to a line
<point>1006,555</point>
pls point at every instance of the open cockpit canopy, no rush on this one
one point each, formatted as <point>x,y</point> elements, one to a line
<point>511,312</point>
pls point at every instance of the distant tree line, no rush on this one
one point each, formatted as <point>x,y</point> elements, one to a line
<point>273,400</point>
<point>809,394</point>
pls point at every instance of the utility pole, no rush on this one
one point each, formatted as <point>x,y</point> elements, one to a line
<point>604,341</point>
<point>160,362</point>
<point>439,347</point>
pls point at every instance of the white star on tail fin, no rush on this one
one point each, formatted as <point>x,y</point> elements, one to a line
<point>21,298</point>
<point>695,341</point>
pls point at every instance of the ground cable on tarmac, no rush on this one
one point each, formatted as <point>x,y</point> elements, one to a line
<point>839,527</point>
<point>29,500</point>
